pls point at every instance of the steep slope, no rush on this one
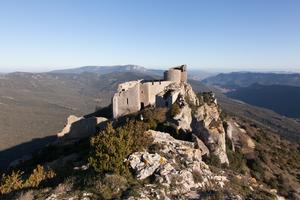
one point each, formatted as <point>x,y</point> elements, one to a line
<point>280,98</point>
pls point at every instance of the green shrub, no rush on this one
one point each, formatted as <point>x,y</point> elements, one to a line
<point>213,160</point>
<point>111,146</point>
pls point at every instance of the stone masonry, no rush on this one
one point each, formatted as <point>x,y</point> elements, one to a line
<point>133,96</point>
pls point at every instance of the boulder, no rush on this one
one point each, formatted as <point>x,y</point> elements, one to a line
<point>144,163</point>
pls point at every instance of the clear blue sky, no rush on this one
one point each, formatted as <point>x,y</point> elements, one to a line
<point>241,35</point>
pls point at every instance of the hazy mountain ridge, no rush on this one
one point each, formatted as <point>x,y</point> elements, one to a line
<point>102,69</point>
<point>243,79</point>
<point>194,74</point>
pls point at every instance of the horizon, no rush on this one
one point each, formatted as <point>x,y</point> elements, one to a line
<point>205,70</point>
<point>233,36</point>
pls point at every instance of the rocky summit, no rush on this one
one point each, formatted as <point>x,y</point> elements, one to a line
<point>189,149</point>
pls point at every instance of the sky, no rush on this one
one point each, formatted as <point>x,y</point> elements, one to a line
<point>259,35</point>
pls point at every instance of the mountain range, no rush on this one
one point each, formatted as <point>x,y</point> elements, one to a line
<point>244,79</point>
<point>278,92</point>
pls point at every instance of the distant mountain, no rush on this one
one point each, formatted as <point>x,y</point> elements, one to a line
<point>282,99</point>
<point>193,74</point>
<point>236,80</point>
<point>108,70</point>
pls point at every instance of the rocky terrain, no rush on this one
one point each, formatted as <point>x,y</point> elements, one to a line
<point>194,150</point>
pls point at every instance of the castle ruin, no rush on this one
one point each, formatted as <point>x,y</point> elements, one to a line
<point>133,96</point>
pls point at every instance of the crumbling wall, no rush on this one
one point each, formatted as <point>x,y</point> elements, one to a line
<point>128,101</point>
<point>176,74</point>
<point>150,89</point>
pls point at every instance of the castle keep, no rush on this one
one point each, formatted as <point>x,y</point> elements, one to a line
<point>133,96</point>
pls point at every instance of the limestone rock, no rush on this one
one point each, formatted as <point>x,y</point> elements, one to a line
<point>200,145</point>
<point>239,137</point>
<point>174,166</point>
<point>204,121</point>
<point>144,163</point>
<point>184,118</point>
<point>207,125</point>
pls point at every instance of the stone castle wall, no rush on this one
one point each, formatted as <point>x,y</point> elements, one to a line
<point>134,95</point>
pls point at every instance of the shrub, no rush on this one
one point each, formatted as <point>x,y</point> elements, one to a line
<point>11,182</point>
<point>14,181</point>
<point>159,115</point>
<point>38,175</point>
<point>213,160</point>
<point>111,146</point>
<point>112,187</point>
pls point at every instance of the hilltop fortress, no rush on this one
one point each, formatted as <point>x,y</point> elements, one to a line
<point>133,96</point>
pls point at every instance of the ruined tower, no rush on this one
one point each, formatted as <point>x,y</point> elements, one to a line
<point>176,74</point>
<point>133,96</point>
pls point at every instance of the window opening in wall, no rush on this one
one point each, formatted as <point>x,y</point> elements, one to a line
<point>152,83</point>
<point>127,101</point>
<point>142,105</point>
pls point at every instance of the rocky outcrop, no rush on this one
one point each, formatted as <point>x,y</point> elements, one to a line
<point>184,118</point>
<point>144,163</point>
<point>200,145</point>
<point>176,165</point>
<point>79,127</point>
<point>207,125</point>
<point>239,137</point>
<point>201,117</point>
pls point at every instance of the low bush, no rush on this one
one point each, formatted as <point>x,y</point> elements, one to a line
<point>11,182</point>
<point>38,175</point>
<point>213,160</point>
<point>111,146</point>
<point>14,181</point>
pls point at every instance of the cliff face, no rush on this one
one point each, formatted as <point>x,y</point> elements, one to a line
<point>201,115</point>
